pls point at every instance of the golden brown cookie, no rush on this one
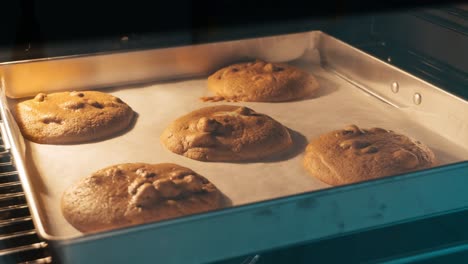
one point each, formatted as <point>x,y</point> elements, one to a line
<point>137,193</point>
<point>72,117</point>
<point>353,154</point>
<point>226,133</point>
<point>260,81</point>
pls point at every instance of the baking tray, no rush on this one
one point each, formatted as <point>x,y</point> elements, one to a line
<point>275,203</point>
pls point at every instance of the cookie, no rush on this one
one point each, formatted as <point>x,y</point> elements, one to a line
<point>354,154</point>
<point>260,81</point>
<point>72,117</point>
<point>226,133</point>
<point>136,193</point>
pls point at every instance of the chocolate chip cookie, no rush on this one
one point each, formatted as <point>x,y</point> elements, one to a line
<point>136,193</point>
<point>354,154</point>
<point>226,133</point>
<point>261,81</point>
<point>72,117</point>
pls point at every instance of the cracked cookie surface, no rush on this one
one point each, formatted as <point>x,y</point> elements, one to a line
<point>226,133</point>
<point>72,117</point>
<point>137,193</point>
<point>261,81</point>
<point>354,154</point>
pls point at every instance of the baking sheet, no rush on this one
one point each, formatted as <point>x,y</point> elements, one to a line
<point>53,168</point>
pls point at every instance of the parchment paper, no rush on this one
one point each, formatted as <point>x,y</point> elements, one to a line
<point>52,168</point>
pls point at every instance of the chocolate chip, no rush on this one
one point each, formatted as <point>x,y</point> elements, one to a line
<point>244,111</point>
<point>51,119</point>
<point>353,143</point>
<point>207,124</point>
<point>145,174</point>
<point>117,100</point>
<point>352,129</point>
<point>95,104</point>
<point>79,94</point>
<point>370,150</point>
<point>357,144</point>
<point>40,97</point>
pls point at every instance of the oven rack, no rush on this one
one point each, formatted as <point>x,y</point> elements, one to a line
<point>19,242</point>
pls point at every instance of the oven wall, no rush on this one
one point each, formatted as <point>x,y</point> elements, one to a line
<point>429,43</point>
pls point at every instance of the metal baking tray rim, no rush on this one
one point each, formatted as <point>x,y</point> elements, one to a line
<point>274,201</point>
<point>262,230</point>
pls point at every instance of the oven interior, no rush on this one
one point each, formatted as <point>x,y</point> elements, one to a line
<point>428,43</point>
